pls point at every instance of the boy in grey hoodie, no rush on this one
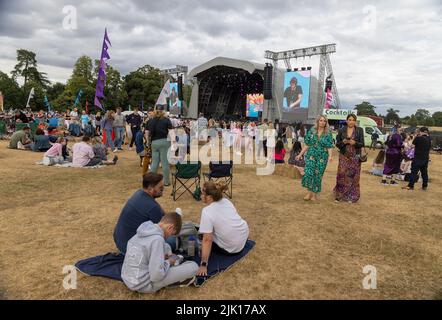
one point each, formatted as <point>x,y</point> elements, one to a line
<point>149,264</point>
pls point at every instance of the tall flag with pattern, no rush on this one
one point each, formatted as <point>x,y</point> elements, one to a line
<point>165,93</point>
<point>101,78</point>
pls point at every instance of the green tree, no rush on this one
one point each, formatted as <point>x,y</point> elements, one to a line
<point>12,94</point>
<point>429,122</point>
<point>422,115</point>
<point>26,67</point>
<point>143,85</point>
<point>413,121</point>
<point>365,109</point>
<point>437,117</point>
<point>392,116</point>
<point>81,78</point>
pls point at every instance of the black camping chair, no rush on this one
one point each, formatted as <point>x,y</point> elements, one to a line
<point>221,171</point>
<point>185,172</point>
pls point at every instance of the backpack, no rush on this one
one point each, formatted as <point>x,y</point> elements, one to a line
<point>188,229</point>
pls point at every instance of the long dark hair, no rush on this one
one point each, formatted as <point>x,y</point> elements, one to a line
<point>279,146</point>
<point>380,157</point>
<point>297,147</point>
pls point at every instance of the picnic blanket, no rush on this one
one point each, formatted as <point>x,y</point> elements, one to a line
<point>68,165</point>
<point>110,264</point>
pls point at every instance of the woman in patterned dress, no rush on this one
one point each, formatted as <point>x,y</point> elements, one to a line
<point>318,146</point>
<point>350,140</point>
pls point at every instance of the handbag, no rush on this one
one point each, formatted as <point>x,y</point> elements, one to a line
<point>362,157</point>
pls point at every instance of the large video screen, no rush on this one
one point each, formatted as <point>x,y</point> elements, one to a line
<point>174,102</point>
<point>255,104</point>
<point>296,90</point>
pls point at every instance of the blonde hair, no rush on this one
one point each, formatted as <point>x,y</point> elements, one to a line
<point>215,190</point>
<point>159,114</point>
<point>327,126</point>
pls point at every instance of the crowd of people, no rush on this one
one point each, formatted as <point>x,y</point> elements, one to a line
<point>145,233</point>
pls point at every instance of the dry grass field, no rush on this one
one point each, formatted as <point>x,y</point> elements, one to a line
<point>51,217</point>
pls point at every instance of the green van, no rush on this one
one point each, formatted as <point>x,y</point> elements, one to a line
<point>337,119</point>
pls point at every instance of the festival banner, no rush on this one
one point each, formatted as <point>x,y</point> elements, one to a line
<point>101,78</point>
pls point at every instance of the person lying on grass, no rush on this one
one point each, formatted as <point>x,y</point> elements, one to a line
<point>149,264</point>
<point>224,231</point>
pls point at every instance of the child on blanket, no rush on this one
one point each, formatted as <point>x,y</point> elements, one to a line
<point>55,154</point>
<point>149,264</point>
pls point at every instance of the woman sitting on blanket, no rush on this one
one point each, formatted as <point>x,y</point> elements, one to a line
<point>101,152</point>
<point>224,231</point>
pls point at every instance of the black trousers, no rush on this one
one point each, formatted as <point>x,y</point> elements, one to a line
<point>218,249</point>
<point>416,166</point>
<point>134,133</point>
<point>265,147</point>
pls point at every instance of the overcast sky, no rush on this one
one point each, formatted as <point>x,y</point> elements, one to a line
<point>388,52</point>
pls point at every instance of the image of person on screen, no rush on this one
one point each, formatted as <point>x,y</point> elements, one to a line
<point>293,94</point>
<point>173,99</point>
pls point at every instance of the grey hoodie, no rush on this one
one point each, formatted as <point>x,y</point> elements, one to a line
<point>145,262</point>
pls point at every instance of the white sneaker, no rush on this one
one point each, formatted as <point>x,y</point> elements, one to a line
<point>130,149</point>
<point>115,150</point>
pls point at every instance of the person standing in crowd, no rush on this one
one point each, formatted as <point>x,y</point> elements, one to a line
<point>279,155</point>
<point>350,140</point>
<point>288,134</point>
<point>301,134</point>
<point>135,121</point>
<point>262,134</point>
<point>202,127</point>
<point>84,119</point>
<point>271,136</point>
<point>422,147</point>
<point>318,152</point>
<point>213,134</point>
<point>107,125</point>
<point>98,123</point>
<point>74,114</point>
<point>119,127</point>
<point>393,158</point>
<point>158,129</point>
<point>374,140</point>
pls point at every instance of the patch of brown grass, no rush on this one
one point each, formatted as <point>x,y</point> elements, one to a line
<point>51,217</point>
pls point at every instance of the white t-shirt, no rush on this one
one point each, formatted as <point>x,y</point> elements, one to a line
<point>230,231</point>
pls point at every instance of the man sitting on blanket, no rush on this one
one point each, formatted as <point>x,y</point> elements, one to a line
<point>141,207</point>
<point>224,231</point>
<point>84,156</point>
<point>149,264</point>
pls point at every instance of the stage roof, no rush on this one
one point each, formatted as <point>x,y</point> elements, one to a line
<point>228,62</point>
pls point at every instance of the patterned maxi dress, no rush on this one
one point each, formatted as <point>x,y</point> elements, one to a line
<point>349,173</point>
<point>316,159</point>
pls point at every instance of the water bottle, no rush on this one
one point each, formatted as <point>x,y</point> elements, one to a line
<point>191,246</point>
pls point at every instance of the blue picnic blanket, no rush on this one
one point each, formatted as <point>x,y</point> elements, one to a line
<point>110,264</point>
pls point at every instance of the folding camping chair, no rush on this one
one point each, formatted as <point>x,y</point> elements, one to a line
<point>221,171</point>
<point>185,172</point>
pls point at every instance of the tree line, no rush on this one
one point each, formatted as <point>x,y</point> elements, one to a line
<point>421,117</point>
<point>138,88</point>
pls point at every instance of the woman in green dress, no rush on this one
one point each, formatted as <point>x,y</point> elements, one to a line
<point>318,150</point>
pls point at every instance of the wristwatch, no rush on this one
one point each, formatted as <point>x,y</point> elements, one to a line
<point>203,264</point>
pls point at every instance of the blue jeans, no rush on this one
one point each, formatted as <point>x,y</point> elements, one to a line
<point>109,141</point>
<point>119,133</point>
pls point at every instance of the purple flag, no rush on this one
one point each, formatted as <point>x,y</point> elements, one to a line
<point>101,78</point>
<point>106,38</point>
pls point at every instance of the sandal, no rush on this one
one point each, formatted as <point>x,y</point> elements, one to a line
<point>407,188</point>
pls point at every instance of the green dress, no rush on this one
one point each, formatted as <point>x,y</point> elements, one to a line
<point>316,159</point>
